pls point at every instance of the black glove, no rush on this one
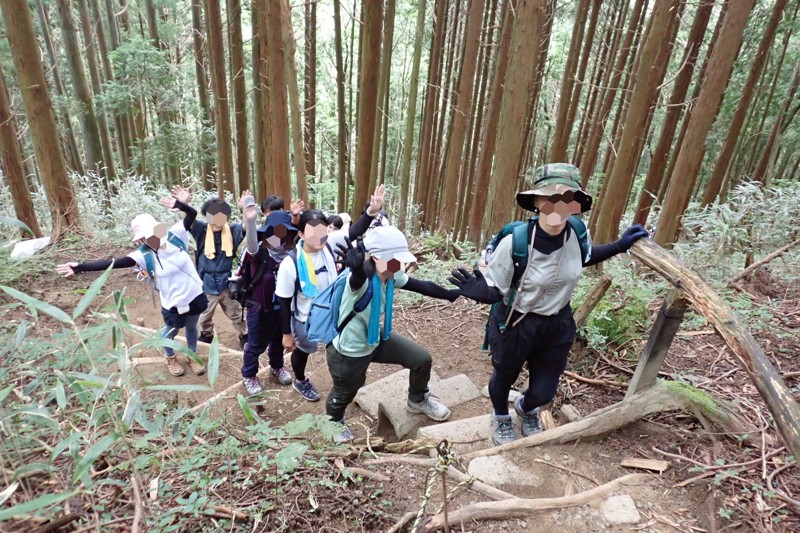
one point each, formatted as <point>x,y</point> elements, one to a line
<point>471,285</point>
<point>351,257</point>
<point>631,235</point>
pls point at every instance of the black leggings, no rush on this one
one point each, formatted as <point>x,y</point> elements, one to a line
<point>299,362</point>
<point>541,341</point>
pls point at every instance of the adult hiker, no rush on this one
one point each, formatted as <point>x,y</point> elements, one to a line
<point>265,249</point>
<point>362,340</point>
<point>163,259</point>
<point>532,321</point>
<point>310,268</point>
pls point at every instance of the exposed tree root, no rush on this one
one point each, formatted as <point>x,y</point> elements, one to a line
<point>513,507</point>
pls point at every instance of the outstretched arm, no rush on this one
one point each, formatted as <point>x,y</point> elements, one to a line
<point>473,286</point>
<point>431,289</point>
<point>601,252</point>
<point>68,269</point>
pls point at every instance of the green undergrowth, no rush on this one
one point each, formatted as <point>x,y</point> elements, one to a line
<point>78,431</point>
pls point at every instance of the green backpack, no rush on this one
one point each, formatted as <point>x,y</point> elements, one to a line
<point>521,232</point>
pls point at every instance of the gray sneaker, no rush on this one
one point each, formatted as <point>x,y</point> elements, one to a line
<point>282,375</point>
<point>430,408</point>
<point>253,385</point>
<point>503,429</point>
<point>530,419</point>
<point>346,435</point>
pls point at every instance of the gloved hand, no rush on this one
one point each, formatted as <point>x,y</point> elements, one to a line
<point>471,285</point>
<point>351,256</point>
<point>631,235</point>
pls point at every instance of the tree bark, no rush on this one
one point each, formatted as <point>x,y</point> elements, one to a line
<point>454,157</point>
<point>342,155</point>
<point>767,156</point>
<point>658,162</point>
<point>198,41</point>
<point>279,116</point>
<point>260,172</point>
<point>41,119</point>
<point>723,159</point>
<point>558,149</point>
<point>216,52</point>
<point>13,165</point>
<point>691,151</point>
<point>368,98</point>
<point>411,115</point>
<point>265,82</point>
<point>519,79</point>
<point>381,117</point>
<point>310,92</point>
<point>239,93</point>
<point>290,65</point>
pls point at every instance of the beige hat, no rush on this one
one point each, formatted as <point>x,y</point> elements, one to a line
<point>145,225</point>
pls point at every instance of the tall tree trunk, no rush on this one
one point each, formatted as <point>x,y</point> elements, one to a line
<point>75,161</point>
<point>454,157</point>
<point>725,156</point>
<point>484,169</point>
<point>13,166</point>
<point>216,53</point>
<point>649,76</point>
<point>381,120</point>
<point>590,157</point>
<point>152,25</point>
<point>411,115</point>
<point>767,156</point>
<point>91,135</point>
<point>310,92</point>
<point>558,150</point>
<point>342,157</point>
<point>278,100</point>
<point>290,63</point>
<point>239,93</point>
<point>519,79</point>
<point>258,111</point>
<point>368,96</point>
<point>198,42</point>
<point>41,119</point>
<point>267,148</point>
<point>690,155</point>
<point>658,162</point>
<point>94,75</point>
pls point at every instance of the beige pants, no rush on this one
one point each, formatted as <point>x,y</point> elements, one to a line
<point>230,307</point>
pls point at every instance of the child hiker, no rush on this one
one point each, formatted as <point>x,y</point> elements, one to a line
<point>533,322</point>
<point>163,255</point>
<point>363,341</point>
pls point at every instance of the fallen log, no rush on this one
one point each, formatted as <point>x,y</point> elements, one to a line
<point>765,377</point>
<point>223,350</point>
<point>660,397</point>
<point>591,300</point>
<point>514,507</point>
<point>774,255</point>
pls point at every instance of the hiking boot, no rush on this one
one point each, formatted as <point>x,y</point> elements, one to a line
<point>206,337</point>
<point>346,435</point>
<point>530,419</point>
<point>430,408</point>
<point>243,340</point>
<point>198,368</point>
<point>503,429</point>
<point>282,375</point>
<point>174,366</point>
<point>306,390</point>
<point>253,385</point>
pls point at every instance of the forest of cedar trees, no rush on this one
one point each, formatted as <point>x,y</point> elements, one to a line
<point>661,104</point>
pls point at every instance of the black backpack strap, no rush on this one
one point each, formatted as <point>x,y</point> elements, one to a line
<point>262,258</point>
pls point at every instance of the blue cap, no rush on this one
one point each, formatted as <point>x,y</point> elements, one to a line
<point>276,218</point>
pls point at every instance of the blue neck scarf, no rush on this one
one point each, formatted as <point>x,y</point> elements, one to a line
<point>373,331</point>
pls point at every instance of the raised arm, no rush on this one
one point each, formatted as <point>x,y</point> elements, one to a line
<point>180,201</point>
<point>353,257</point>
<point>361,226</point>
<point>250,212</point>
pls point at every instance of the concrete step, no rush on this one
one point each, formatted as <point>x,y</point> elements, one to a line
<point>393,387</point>
<point>465,435</point>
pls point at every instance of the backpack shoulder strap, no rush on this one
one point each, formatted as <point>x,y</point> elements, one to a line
<point>293,254</point>
<point>149,263</point>
<point>579,227</point>
<point>358,307</point>
<point>520,242</point>
<point>177,241</point>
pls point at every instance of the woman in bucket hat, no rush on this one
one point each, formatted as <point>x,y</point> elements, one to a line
<point>163,258</point>
<point>534,322</point>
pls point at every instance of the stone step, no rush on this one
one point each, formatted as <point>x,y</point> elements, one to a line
<point>499,470</point>
<point>512,395</point>
<point>465,435</point>
<point>393,387</point>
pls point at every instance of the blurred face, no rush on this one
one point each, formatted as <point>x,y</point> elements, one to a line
<point>279,237</point>
<point>156,237</point>
<point>315,234</point>
<point>216,217</point>
<point>556,209</point>
<point>387,269</point>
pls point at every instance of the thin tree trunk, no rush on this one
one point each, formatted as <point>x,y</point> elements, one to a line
<point>368,97</point>
<point>734,129</point>
<point>558,150</point>
<point>239,93</point>
<point>290,63</point>
<point>41,119</point>
<point>310,92</point>
<point>691,151</point>
<point>198,40</point>
<point>454,158</point>
<point>278,100</point>
<point>13,167</point>
<point>520,77</point>
<point>649,76</point>
<point>342,157</point>
<point>268,186</point>
<point>767,156</point>
<point>381,119</point>
<point>658,162</point>
<point>411,115</point>
<point>260,170</point>
<point>216,52</point>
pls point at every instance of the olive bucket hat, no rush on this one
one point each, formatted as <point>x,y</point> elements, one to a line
<point>553,179</point>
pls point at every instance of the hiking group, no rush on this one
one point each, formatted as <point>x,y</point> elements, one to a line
<point>305,278</point>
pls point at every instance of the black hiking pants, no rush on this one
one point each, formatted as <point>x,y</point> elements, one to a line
<point>541,341</point>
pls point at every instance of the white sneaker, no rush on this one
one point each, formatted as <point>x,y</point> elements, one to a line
<point>430,408</point>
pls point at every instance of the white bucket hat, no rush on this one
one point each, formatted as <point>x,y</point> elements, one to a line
<point>387,243</point>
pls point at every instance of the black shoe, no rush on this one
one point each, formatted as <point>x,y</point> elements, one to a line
<point>243,340</point>
<point>206,337</point>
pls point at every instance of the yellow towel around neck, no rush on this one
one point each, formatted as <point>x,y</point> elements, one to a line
<point>227,242</point>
